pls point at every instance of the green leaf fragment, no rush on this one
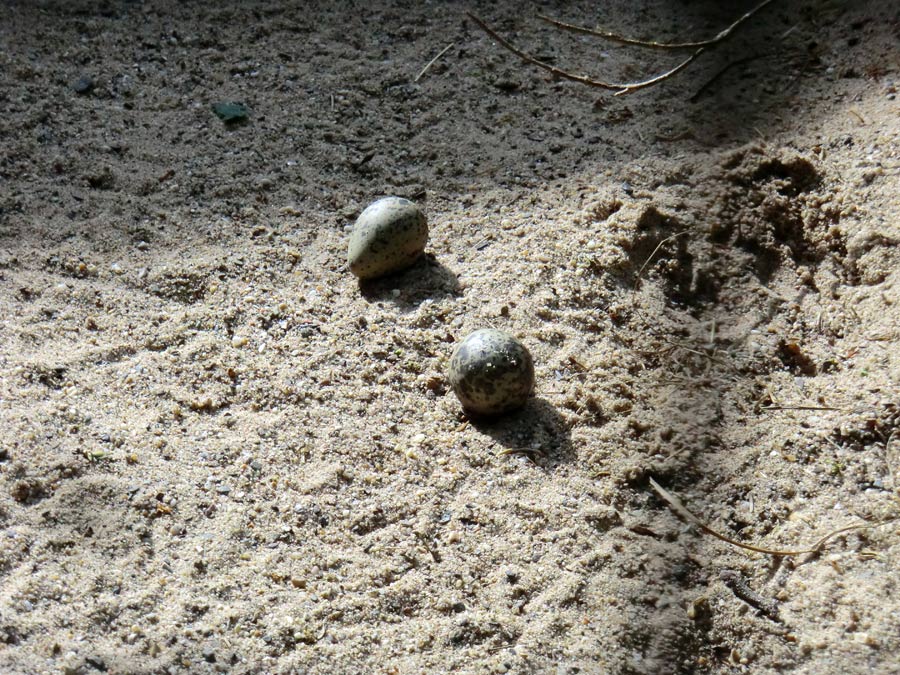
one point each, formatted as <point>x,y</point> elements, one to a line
<point>230,112</point>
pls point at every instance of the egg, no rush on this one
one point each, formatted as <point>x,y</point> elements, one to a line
<point>491,373</point>
<point>389,236</point>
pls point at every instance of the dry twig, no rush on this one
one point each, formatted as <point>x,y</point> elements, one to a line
<point>619,87</point>
<point>682,511</point>
<point>581,79</point>
<point>797,407</point>
<point>888,460</point>
<point>651,44</point>
<point>721,72</point>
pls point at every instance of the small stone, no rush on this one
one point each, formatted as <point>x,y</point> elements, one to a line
<point>83,85</point>
<point>97,663</point>
<point>865,639</point>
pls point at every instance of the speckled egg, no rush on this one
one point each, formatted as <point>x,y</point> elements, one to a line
<point>491,373</point>
<point>388,236</point>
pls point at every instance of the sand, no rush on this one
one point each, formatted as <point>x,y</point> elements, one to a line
<point>220,453</point>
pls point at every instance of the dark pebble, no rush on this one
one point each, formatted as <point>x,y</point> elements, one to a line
<point>83,85</point>
<point>96,663</point>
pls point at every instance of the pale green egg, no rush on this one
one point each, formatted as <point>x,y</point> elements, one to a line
<point>388,236</point>
<point>491,373</point>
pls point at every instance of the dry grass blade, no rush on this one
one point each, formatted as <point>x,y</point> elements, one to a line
<point>652,44</point>
<point>640,274</point>
<point>797,407</point>
<point>682,511</point>
<point>653,255</point>
<point>433,61</point>
<point>888,460</point>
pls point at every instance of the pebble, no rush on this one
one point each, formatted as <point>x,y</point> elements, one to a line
<point>865,639</point>
<point>83,85</point>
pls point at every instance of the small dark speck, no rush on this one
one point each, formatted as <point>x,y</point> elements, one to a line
<point>83,85</point>
<point>96,663</point>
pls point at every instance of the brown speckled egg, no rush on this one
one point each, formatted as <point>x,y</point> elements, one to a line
<point>388,236</point>
<point>491,373</point>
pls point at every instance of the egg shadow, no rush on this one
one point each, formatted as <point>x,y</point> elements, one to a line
<point>537,430</point>
<point>426,279</point>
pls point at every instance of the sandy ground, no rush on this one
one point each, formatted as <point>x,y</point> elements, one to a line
<point>220,453</point>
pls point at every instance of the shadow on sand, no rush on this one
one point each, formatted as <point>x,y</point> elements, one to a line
<point>427,279</point>
<point>537,430</point>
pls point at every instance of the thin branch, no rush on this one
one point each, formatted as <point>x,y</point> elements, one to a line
<point>581,79</point>
<point>433,61</point>
<point>618,87</point>
<point>733,64</point>
<point>798,407</point>
<point>634,86</point>
<point>682,511</point>
<point>622,39</point>
<point>890,464</point>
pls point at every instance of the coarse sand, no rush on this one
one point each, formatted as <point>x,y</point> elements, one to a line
<point>221,453</point>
